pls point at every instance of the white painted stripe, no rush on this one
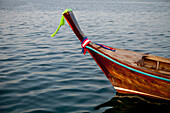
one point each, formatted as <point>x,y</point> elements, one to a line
<point>138,92</point>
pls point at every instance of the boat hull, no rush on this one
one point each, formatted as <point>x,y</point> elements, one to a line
<point>127,81</point>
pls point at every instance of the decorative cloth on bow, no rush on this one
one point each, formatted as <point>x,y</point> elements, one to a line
<point>84,43</point>
<point>106,47</point>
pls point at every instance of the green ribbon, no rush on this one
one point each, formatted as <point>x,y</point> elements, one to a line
<point>62,22</point>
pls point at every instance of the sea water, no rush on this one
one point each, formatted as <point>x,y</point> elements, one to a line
<point>40,74</point>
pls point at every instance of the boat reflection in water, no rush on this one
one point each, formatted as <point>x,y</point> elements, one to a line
<point>129,103</point>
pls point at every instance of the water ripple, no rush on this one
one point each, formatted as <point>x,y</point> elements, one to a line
<point>43,74</point>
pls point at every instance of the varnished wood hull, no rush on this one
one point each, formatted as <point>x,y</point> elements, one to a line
<point>129,77</point>
<point>128,81</point>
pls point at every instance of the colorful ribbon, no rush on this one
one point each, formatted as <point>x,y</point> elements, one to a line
<point>84,43</point>
<point>106,47</point>
<point>62,22</point>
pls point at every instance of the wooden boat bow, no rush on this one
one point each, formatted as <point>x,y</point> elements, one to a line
<point>128,71</point>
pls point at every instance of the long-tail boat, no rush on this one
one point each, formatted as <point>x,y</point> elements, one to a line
<point>128,71</point>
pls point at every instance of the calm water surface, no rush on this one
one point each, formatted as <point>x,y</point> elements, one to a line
<point>39,74</point>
